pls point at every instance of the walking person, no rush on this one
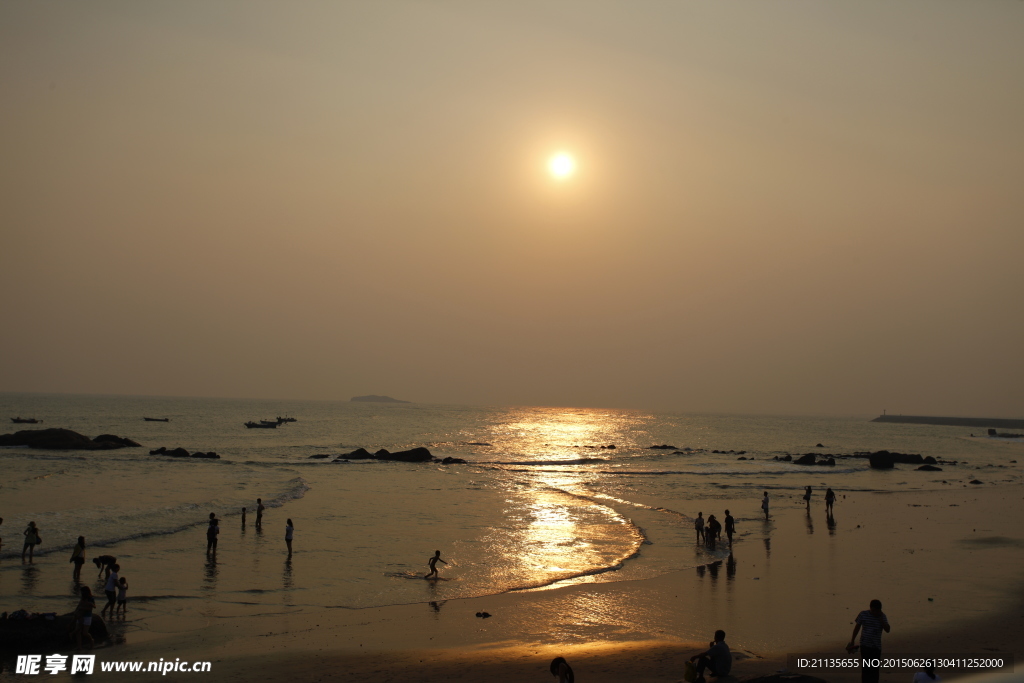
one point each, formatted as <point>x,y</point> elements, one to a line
<point>78,557</point>
<point>432,563</point>
<point>830,498</point>
<point>83,617</point>
<point>764,505</point>
<point>807,498</point>
<point>110,590</point>
<point>289,531</point>
<point>32,539</point>
<point>698,525</point>
<point>730,526</point>
<point>871,622</point>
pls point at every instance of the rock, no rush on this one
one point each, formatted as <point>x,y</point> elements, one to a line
<point>112,441</point>
<point>483,615</point>
<point>787,458</point>
<point>741,452</point>
<point>62,440</point>
<point>359,454</point>
<point>929,468</point>
<point>741,458</point>
<point>975,481</point>
<point>665,447</point>
<point>211,455</point>
<point>453,461</point>
<point>818,446</point>
<point>159,451</point>
<point>478,443</point>
<point>178,452</point>
<point>609,446</point>
<point>930,461</point>
<point>881,460</point>
<point>419,454</point>
<point>321,455</point>
<point>808,459</point>
<point>831,462</point>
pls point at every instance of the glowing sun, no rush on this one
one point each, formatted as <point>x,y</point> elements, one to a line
<point>561,166</point>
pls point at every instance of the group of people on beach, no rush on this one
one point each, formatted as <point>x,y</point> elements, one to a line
<point>710,531</point>
<point>115,588</point>
<point>213,529</point>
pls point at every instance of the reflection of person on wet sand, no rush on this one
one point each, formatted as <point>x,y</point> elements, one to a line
<point>259,513</point>
<point>560,667</point>
<point>432,563</point>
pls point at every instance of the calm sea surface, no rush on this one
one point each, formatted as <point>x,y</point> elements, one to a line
<point>539,503</point>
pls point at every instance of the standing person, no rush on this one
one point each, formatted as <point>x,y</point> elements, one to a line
<point>122,596</point>
<point>730,526</point>
<point>211,536</point>
<point>83,616</point>
<point>717,659</point>
<point>432,563</point>
<point>713,531</point>
<point>830,498</point>
<point>873,621</point>
<point>289,531</point>
<point>110,590</point>
<point>259,513</point>
<point>698,525</point>
<point>560,667</point>
<point>807,497</point>
<point>764,505</point>
<point>78,557</point>
<point>32,539</point>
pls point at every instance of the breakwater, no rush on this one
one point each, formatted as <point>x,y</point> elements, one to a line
<point>981,422</point>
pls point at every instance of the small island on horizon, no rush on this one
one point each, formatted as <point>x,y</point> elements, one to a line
<point>372,398</point>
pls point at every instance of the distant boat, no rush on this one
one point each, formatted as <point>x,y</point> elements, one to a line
<point>286,419</point>
<point>262,424</point>
<point>157,419</point>
<point>25,420</point>
<point>270,422</point>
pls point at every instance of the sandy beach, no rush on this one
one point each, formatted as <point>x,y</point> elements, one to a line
<point>946,565</point>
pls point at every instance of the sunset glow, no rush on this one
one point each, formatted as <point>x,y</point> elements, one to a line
<point>561,166</point>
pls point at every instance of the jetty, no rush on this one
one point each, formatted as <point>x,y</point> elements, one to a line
<point>980,422</point>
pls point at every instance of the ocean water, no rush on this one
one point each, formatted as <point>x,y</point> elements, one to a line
<point>538,505</point>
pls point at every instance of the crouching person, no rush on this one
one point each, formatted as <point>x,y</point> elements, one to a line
<point>717,660</point>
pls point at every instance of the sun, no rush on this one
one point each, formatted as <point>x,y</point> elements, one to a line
<point>561,166</point>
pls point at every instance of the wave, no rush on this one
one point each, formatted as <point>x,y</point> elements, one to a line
<point>296,491</point>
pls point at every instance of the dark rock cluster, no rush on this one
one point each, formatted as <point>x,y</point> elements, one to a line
<point>182,453</point>
<point>65,440</point>
<point>418,454</point>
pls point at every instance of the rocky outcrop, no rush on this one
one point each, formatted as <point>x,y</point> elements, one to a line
<point>882,460</point>
<point>183,453</point>
<point>418,454</point>
<point>929,468</point>
<point>808,459</point>
<point>64,440</point>
<point>663,446</point>
<point>453,461</point>
<point>43,631</point>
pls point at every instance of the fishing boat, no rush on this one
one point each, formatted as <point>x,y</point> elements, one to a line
<point>25,420</point>
<point>286,419</point>
<point>157,419</point>
<point>270,422</point>
<point>262,424</point>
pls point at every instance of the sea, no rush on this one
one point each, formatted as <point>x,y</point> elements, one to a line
<point>547,497</point>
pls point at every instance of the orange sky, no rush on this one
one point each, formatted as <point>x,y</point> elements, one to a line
<point>791,207</point>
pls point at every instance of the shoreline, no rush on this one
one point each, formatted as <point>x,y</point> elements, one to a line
<point>796,589</point>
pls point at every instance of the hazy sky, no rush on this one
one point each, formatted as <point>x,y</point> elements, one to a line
<point>779,207</point>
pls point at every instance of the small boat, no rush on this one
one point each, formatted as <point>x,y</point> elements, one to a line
<point>25,420</point>
<point>262,424</point>
<point>157,419</point>
<point>270,422</point>
<point>286,419</point>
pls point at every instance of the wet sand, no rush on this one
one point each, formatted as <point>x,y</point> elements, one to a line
<point>946,565</point>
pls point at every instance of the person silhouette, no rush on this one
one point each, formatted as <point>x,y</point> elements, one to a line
<point>830,499</point>
<point>873,621</point>
<point>432,563</point>
<point>559,667</point>
<point>764,504</point>
<point>698,525</point>
<point>730,526</point>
